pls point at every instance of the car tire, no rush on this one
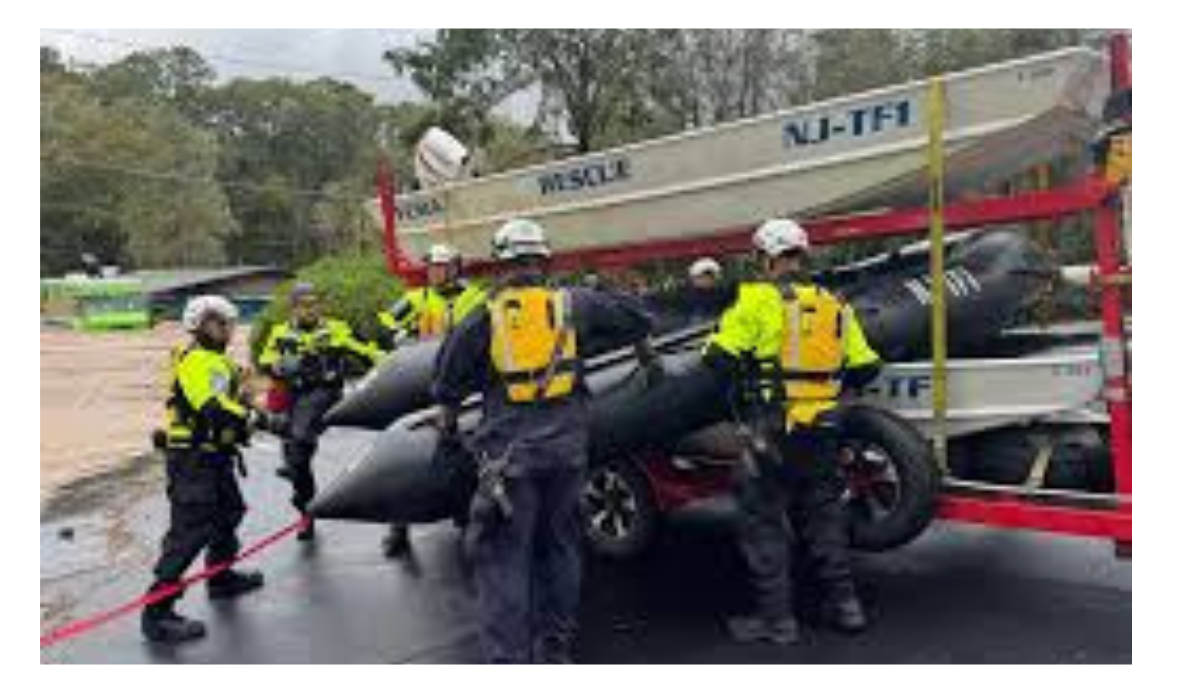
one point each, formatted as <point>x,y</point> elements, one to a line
<point>620,514</point>
<point>1080,460</point>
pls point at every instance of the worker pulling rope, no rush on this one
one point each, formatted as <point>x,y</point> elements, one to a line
<point>89,624</point>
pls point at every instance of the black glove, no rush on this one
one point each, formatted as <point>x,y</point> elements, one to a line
<point>445,420</point>
<point>271,423</point>
<point>234,435</point>
<point>650,362</point>
<point>856,380</point>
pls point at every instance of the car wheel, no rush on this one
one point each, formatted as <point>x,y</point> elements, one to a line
<point>620,516</point>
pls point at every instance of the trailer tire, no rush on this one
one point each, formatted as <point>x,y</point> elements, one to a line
<point>1081,459</point>
<point>893,481</point>
<point>619,511</point>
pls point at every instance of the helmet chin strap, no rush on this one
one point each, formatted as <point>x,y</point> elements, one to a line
<point>207,342</point>
<point>787,269</point>
<point>527,271</point>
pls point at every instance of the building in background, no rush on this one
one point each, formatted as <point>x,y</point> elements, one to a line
<point>137,300</point>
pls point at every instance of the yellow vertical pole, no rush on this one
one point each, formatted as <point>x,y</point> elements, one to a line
<point>937,263</point>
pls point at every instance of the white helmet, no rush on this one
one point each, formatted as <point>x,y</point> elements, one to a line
<point>200,308</point>
<point>781,236</point>
<point>519,238</point>
<point>704,266</point>
<point>442,254</point>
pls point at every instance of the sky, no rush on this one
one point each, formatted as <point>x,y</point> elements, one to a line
<point>352,55</point>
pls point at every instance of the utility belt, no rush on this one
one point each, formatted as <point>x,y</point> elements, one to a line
<point>190,449</point>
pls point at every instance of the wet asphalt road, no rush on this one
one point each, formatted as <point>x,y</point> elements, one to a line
<point>958,595</point>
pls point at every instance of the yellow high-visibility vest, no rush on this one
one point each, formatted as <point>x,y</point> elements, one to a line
<point>812,353</point>
<point>805,333</point>
<point>533,345</point>
<point>198,376</point>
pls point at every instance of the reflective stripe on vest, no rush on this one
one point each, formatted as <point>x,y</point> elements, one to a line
<point>533,346</point>
<point>812,353</point>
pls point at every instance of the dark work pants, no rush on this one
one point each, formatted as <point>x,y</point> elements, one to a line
<point>303,433</point>
<point>528,569</point>
<point>811,480</point>
<point>206,509</point>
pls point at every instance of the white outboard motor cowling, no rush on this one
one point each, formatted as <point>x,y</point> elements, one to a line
<point>439,158</point>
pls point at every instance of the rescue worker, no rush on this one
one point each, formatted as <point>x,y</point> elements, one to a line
<point>787,348</point>
<point>525,353</point>
<point>704,274</point>
<point>447,297</point>
<point>208,418</point>
<point>424,314</point>
<point>312,355</point>
<point>701,299</point>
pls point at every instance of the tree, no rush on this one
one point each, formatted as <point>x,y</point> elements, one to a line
<point>128,181</point>
<point>177,76</point>
<point>286,147</point>
<point>51,61</point>
<point>706,77</point>
<point>466,74</point>
<point>593,83</point>
<point>850,61</point>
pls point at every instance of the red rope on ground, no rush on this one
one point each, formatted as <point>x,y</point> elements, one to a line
<point>82,626</point>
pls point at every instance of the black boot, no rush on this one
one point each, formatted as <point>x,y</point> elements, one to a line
<point>161,624</point>
<point>842,611</point>
<point>554,650</point>
<point>397,543</point>
<point>231,584</point>
<point>755,628</point>
<point>307,533</point>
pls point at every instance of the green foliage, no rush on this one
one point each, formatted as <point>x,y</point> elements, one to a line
<point>466,74</point>
<point>354,288</point>
<point>160,209</point>
<point>288,149</point>
<point>177,76</point>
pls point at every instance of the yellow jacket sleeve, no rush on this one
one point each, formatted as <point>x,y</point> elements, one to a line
<point>406,312</point>
<point>342,337</point>
<point>270,354</point>
<point>743,328</point>
<point>388,320</point>
<point>473,297</point>
<point>205,377</point>
<point>854,341</point>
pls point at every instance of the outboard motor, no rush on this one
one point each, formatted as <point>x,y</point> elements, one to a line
<point>440,158</point>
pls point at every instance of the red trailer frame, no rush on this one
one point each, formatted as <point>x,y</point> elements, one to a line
<point>1086,515</point>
